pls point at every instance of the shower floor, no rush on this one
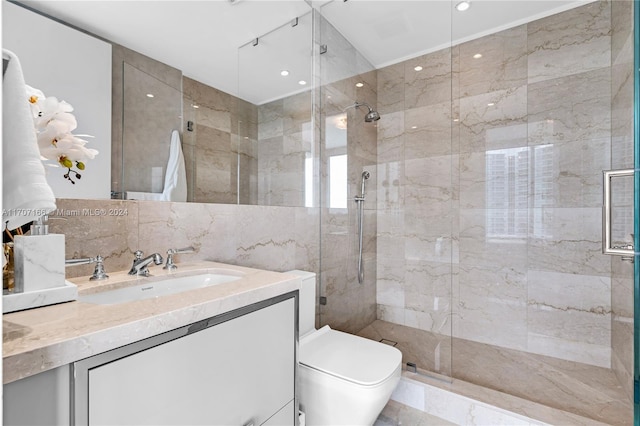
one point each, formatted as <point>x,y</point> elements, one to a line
<point>585,390</point>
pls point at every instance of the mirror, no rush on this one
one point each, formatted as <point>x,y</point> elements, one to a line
<point>276,143</point>
<point>253,148</point>
<point>256,148</point>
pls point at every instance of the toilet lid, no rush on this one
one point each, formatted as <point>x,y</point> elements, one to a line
<point>349,357</point>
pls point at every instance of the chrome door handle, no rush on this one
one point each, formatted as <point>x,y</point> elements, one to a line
<point>626,251</point>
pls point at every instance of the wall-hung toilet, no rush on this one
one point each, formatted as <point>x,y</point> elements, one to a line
<point>344,379</point>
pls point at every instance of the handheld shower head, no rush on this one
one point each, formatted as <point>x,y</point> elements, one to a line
<point>365,175</point>
<point>372,115</point>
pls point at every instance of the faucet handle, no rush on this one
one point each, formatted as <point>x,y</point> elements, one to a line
<point>172,266</point>
<point>189,249</point>
<point>138,254</point>
<point>99,272</point>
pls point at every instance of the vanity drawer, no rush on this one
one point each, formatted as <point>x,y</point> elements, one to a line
<point>238,371</point>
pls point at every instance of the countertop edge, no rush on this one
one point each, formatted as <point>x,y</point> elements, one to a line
<point>30,362</point>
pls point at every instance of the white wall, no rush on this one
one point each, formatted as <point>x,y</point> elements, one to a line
<point>74,67</point>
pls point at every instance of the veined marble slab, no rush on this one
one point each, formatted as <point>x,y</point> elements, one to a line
<point>37,298</point>
<point>460,403</point>
<point>41,339</point>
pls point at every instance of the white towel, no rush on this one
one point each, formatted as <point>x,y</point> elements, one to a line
<point>175,178</point>
<point>26,195</point>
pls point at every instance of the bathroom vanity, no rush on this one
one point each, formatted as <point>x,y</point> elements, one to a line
<point>217,354</point>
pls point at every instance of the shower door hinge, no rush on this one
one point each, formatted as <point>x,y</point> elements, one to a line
<point>294,22</point>
<point>323,300</point>
<point>323,49</point>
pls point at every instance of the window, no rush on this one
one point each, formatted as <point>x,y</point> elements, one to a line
<point>338,182</point>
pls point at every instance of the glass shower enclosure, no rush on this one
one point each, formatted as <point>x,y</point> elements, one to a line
<point>482,219</point>
<point>486,228</point>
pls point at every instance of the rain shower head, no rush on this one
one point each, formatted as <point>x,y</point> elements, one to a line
<point>372,115</point>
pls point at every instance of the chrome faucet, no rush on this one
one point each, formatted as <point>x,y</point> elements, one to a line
<point>140,265</point>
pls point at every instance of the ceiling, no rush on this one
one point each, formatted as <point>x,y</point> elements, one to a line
<point>202,37</point>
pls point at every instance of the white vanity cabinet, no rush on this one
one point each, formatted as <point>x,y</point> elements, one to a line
<point>234,369</point>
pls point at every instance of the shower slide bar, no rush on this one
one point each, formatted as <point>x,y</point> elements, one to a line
<point>360,201</point>
<point>626,250</point>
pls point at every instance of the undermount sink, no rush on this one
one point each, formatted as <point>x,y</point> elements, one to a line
<point>152,289</point>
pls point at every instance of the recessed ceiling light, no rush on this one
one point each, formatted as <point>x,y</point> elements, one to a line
<point>284,73</point>
<point>149,95</point>
<point>195,106</point>
<point>463,5</point>
<point>418,68</point>
<point>302,82</point>
<point>359,84</point>
<point>490,104</point>
<point>456,120</point>
<point>414,127</point>
<point>477,56</point>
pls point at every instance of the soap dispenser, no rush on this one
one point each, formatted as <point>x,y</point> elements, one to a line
<point>39,258</point>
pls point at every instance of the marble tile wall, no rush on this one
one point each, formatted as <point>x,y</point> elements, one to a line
<point>234,234</point>
<point>285,142</point>
<point>212,148</point>
<point>622,158</point>
<point>489,188</point>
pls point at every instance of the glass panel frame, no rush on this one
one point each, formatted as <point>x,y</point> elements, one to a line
<point>636,286</point>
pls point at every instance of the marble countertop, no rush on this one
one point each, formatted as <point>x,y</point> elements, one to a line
<point>43,338</point>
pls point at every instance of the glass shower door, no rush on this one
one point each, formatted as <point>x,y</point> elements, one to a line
<point>636,272</point>
<point>406,297</point>
<point>535,133</point>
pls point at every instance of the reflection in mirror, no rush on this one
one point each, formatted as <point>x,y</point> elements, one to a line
<point>276,140</point>
<point>254,147</point>
<point>210,136</point>
<point>152,110</point>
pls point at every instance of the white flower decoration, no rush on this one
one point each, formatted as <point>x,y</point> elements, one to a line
<point>54,123</point>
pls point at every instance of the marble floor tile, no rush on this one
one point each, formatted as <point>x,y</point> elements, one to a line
<point>396,414</point>
<point>581,389</point>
